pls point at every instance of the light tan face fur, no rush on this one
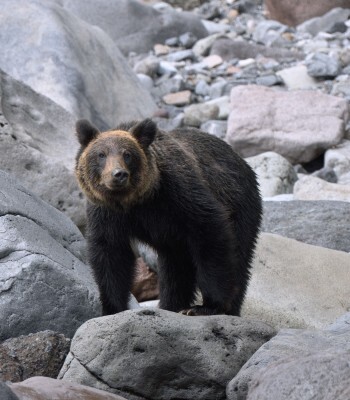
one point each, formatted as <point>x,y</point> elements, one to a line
<point>94,173</point>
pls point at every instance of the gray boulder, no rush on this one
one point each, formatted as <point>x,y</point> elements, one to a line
<point>135,26</point>
<point>6,393</point>
<point>157,354</point>
<point>73,63</point>
<point>43,282</point>
<point>321,223</point>
<point>297,364</point>
<point>38,146</point>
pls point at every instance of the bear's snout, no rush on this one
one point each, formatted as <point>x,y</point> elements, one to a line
<point>120,176</point>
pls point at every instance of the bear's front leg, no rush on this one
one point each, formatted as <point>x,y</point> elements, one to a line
<point>112,261</point>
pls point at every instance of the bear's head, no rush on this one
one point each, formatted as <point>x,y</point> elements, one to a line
<point>116,168</point>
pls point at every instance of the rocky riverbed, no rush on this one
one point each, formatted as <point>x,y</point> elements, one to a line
<point>271,80</point>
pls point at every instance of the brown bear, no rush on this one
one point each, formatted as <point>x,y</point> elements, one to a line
<point>186,194</point>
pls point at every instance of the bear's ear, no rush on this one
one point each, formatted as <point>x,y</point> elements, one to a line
<point>85,131</point>
<point>144,132</point>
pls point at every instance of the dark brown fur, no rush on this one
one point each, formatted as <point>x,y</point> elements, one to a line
<point>188,195</point>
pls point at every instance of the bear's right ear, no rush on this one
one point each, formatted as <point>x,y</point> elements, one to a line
<point>85,131</point>
<point>144,132</point>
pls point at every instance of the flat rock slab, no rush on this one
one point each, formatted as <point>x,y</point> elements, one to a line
<point>41,388</point>
<point>43,282</point>
<point>76,65</point>
<point>298,364</point>
<point>299,125</point>
<point>294,284</point>
<point>321,223</point>
<point>157,354</point>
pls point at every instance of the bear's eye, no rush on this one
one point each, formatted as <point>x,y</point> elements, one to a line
<point>127,156</point>
<point>101,156</point>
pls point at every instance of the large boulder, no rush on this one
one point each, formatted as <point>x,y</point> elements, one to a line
<point>297,285</point>
<point>38,146</point>
<point>157,354</point>
<point>298,364</point>
<point>299,125</point>
<point>73,63</point>
<point>135,26</point>
<point>294,12</point>
<point>43,282</point>
<point>321,223</point>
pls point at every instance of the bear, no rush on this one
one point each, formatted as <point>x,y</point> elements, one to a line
<point>184,193</point>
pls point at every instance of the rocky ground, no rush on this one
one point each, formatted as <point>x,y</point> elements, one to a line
<point>277,90</point>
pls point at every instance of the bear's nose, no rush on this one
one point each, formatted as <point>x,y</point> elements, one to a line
<point>120,175</point>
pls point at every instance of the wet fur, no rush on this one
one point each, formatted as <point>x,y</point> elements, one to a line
<point>197,204</point>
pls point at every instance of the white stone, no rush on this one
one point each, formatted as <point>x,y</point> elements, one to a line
<point>297,78</point>
<point>312,188</point>
<point>338,158</point>
<point>275,174</point>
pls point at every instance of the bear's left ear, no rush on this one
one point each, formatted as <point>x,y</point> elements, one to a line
<point>85,131</point>
<point>144,132</point>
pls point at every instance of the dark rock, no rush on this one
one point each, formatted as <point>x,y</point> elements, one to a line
<point>327,174</point>
<point>42,353</point>
<point>321,223</point>
<point>135,26</point>
<point>340,27</point>
<point>157,354</point>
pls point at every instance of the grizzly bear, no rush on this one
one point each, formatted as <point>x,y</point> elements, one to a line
<point>186,194</point>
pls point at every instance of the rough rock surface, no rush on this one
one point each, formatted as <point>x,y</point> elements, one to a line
<point>43,282</point>
<point>313,188</point>
<point>97,85</point>
<point>325,374</point>
<point>294,12</point>
<point>309,288</point>
<point>303,364</point>
<point>38,146</point>
<point>263,119</point>
<point>41,388</point>
<point>275,174</point>
<point>41,353</point>
<point>321,223</point>
<point>135,26</point>
<point>156,354</point>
